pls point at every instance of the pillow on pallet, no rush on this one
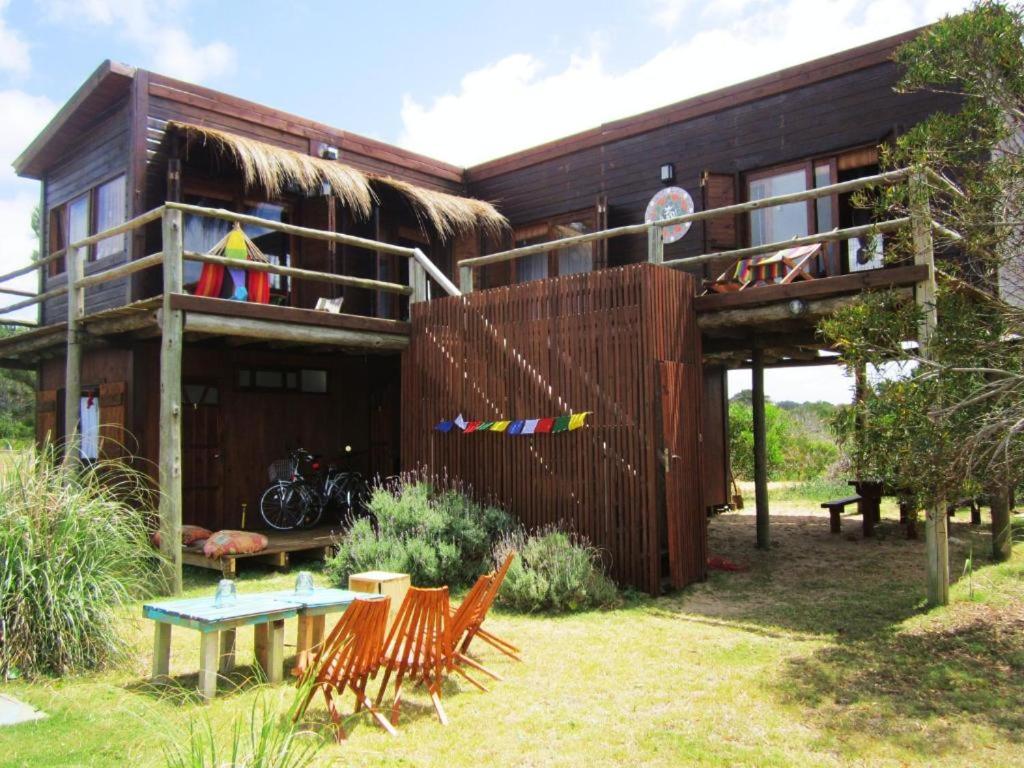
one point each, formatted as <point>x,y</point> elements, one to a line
<point>234,543</point>
<point>190,534</point>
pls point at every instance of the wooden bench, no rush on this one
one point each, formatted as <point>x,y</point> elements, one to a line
<point>835,509</point>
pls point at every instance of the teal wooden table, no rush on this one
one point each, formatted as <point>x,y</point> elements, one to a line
<point>312,618</point>
<point>217,626</point>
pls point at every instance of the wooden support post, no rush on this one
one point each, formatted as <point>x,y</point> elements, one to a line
<point>466,279</point>
<point>73,364</point>
<point>227,649</point>
<point>936,522</point>
<point>1000,505</point>
<point>655,245</point>
<point>936,529</point>
<point>760,449</point>
<point>172,331</point>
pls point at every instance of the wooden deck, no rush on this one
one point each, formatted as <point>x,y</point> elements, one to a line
<point>315,542</point>
<point>207,318</point>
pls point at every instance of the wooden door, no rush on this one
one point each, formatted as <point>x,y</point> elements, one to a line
<point>684,528</point>
<point>202,478</point>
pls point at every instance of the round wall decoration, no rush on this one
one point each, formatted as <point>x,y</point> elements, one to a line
<point>667,204</point>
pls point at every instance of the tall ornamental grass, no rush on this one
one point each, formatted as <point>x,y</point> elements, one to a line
<point>74,551</point>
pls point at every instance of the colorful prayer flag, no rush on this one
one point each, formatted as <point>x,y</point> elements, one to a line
<point>472,426</point>
<point>516,427</point>
<point>544,425</point>
<point>578,420</point>
<point>485,427</point>
<point>445,426</point>
<point>460,422</point>
<point>561,424</point>
<point>530,426</point>
<point>500,426</point>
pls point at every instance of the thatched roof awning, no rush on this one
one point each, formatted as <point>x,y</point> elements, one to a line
<point>274,169</point>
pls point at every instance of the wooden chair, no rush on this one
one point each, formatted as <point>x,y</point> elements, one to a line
<point>470,614</point>
<point>419,647</point>
<point>474,628</point>
<point>350,655</point>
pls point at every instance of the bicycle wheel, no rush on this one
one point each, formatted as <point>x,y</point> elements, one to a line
<point>313,511</point>
<point>282,506</point>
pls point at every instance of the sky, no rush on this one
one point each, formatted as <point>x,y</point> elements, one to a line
<point>463,82</point>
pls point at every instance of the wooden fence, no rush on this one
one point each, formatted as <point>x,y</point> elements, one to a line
<point>589,342</point>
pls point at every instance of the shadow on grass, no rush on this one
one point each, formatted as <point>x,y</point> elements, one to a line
<point>810,581</point>
<point>184,689</point>
<point>969,670</point>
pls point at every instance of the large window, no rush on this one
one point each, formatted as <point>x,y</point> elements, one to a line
<point>102,207</point>
<point>202,233</point>
<point>558,262</point>
<point>780,223</point>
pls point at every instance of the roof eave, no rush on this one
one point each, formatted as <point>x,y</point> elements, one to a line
<point>25,164</point>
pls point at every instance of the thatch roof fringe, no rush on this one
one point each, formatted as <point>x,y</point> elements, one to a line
<point>448,215</point>
<point>275,168</point>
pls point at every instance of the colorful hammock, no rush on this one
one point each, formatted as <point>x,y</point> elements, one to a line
<point>244,285</point>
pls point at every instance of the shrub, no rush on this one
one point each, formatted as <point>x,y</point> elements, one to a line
<point>555,571</point>
<point>74,549</point>
<point>424,527</point>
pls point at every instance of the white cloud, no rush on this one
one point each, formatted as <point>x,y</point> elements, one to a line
<point>24,117</point>
<point>154,26</point>
<point>519,101</point>
<point>14,55</point>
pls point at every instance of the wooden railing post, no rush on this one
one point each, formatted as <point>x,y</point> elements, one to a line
<point>74,271</point>
<point>655,244</point>
<point>760,449</point>
<point>936,529</point>
<point>418,282</point>
<point>172,330</point>
<point>466,279</point>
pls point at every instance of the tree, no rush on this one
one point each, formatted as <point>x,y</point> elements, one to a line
<point>949,419</point>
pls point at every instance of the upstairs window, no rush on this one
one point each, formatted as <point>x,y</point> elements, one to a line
<point>780,222</point>
<point>557,262</point>
<point>110,211</point>
<point>101,208</point>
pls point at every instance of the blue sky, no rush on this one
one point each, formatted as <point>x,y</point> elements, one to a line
<point>460,81</point>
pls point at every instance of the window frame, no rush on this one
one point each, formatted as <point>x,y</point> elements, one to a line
<point>58,226</point>
<point>543,230</point>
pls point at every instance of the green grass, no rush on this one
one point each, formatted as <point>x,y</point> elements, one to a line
<point>820,655</point>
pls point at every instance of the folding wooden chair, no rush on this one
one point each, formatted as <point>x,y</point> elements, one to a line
<point>468,615</point>
<point>419,647</point>
<point>350,655</point>
<point>474,628</point>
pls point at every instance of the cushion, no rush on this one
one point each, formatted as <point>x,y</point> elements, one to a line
<point>234,543</point>
<point>190,534</point>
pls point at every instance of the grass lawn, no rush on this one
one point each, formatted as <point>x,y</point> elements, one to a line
<point>820,654</point>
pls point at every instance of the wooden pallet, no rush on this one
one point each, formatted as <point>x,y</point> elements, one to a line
<point>277,554</point>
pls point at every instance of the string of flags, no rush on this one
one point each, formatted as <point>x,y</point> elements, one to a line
<point>567,423</point>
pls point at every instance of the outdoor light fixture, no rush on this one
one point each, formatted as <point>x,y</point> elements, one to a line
<point>797,307</point>
<point>668,173</point>
<point>327,152</point>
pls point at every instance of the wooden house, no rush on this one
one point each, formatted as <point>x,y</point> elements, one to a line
<point>168,167</point>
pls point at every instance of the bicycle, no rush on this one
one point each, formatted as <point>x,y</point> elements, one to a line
<point>293,501</point>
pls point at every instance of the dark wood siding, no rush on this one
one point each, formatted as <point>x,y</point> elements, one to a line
<point>854,109</point>
<point>260,427</point>
<point>101,154</point>
<point>588,342</point>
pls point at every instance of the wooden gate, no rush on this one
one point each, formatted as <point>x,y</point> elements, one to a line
<point>685,529</point>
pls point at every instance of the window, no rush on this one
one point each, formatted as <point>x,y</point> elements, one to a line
<point>100,208</point>
<point>780,222</point>
<point>203,233</point>
<point>110,210</point>
<point>563,261</point>
<point>306,380</point>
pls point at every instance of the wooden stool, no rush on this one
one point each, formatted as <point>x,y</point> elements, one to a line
<point>394,585</point>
